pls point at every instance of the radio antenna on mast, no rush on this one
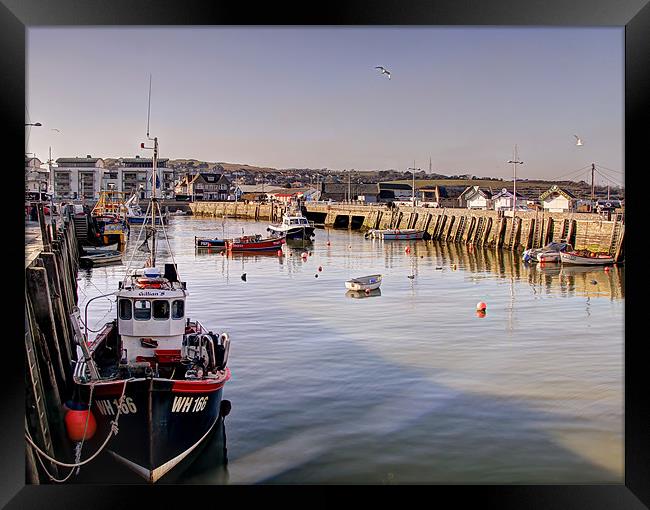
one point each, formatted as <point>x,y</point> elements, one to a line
<point>149,107</point>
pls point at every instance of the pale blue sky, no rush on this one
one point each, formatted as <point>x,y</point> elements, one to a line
<point>310,97</point>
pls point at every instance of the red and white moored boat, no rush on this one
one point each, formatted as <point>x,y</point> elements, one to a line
<point>255,243</point>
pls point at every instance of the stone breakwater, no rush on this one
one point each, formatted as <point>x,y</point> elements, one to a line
<point>529,229</point>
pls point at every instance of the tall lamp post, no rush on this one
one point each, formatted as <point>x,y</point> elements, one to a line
<point>514,162</point>
<point>413,170</point>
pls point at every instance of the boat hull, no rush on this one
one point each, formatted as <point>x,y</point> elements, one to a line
<point>209,243</point>
<point>263,245</point>
<point>573,259</point>
<point>161,421</point>
<point>363,284</point>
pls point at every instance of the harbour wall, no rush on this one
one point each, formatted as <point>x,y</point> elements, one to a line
<point>493,229</point>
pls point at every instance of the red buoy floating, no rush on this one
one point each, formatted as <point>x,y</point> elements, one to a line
<point>408,250</point>
<point>607,269</point>
<point>481,306</point>
<point>480,314</point>
<point>320,268</point>
<point>75,424</point>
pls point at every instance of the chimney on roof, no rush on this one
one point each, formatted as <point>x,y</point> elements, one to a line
<point>137,156</point>
<point>88,156</point>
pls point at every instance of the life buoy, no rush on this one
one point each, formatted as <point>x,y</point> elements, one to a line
<point>608,204</point>
<point>149,283</point>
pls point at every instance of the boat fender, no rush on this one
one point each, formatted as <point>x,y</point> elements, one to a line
<point>75,424</point>
<point>224,408</point>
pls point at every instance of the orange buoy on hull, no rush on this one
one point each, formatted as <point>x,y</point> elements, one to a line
<point>75,424</point>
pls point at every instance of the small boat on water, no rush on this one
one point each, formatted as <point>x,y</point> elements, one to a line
<point>203,242</point>
<point>93,250</point>
<point>586,258</point>
<point>294,225</point>
<point>255,243</point>
<point>395,233</point>
<point>549,253</point>
<point>101,259</point>
<point>364,283</point>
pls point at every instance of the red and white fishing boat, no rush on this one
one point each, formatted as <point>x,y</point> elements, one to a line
<point>152,371</point>
<point>586,258</point>
<point>255,243</point>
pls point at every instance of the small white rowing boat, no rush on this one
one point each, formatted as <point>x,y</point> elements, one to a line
<point>93,250</point>
<point>371,282</point>
<point>584,259</point>
<point>395,233</point>
<point>109,257</point>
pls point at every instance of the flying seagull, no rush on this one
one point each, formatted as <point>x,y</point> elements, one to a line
<point>383,70</point>
<point>578,140</point>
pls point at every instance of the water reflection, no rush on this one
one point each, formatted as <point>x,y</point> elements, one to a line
<point>360,294</point>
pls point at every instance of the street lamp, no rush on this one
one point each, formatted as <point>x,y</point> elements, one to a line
<point>514,162</point>
<point>413,170</point>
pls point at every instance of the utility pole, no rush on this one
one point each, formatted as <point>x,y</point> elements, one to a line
<point>514,162</point>
<point>349,186</point>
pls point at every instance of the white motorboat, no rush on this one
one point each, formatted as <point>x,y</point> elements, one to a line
<point>294,226</point>
<point>364,283</point>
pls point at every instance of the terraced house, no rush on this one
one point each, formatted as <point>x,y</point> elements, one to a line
<point>206,186</point>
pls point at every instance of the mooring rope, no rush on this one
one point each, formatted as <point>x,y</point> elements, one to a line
<point>114,431</point>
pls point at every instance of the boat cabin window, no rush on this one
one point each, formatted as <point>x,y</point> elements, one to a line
<point>125,309</point>
<point>178,309</point>
<point>160,309</point>
<point>142,310</point>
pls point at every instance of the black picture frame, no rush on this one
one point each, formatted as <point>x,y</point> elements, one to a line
<point>18,15</point>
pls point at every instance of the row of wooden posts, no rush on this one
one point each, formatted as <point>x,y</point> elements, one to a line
<point>50,345</point>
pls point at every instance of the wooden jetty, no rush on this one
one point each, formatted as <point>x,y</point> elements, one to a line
<point>51,265</point>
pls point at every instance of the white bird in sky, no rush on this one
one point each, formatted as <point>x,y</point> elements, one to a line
<point>578,140</point>
<point>383,70</point>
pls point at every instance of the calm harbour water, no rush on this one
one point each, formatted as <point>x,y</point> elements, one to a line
<point>409,386</point>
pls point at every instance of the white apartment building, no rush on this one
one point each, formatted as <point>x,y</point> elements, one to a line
<point>78,178</point>
<point>135,175</point>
